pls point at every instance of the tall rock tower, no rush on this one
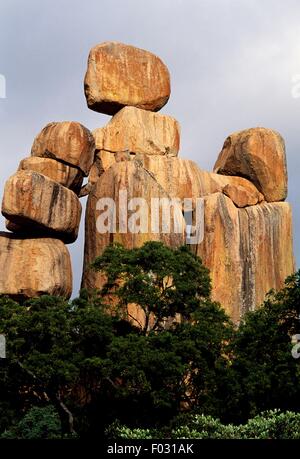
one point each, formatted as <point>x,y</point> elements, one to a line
<point>242,225</point>
<point>247,226</point>
<point>42,211</point>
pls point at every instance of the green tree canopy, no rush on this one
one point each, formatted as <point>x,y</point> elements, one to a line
<point>268,374</point>
<point>161,280</point>
<point>94,367</point>
<point>78,361</point>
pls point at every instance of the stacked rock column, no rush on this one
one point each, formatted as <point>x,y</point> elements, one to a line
<point>42,211</point>
<point>248,243</point>
<point>132,85</point>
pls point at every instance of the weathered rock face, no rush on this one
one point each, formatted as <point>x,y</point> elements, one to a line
<point>119,75</point>
<point>132,178</point>
<point>32,267</point>
<point>68,176</point>
<point>220,251</point>
<point>248,251</point>
<point>103,161</point>
<point>182,178</point>
<point>266,250</point>
<point>242,192</point>
<point>68,142</point>
<point>138,131</point>
<point>257,154</point>
<point>137,190</point>
<point>247,245</point>
<point>37,204</point>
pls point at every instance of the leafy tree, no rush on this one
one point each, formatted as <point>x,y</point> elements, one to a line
<point>94,367</point>
<point>53,347</point>
<point>161,280</point>
<point>158,375</point>
<point>205,343</point>
<point>181,366</point>
<point>38,423</point>
<point>267,373</point>
<point>268,425</point>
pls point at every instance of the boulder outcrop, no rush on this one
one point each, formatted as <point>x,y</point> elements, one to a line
<point>138,190</point>
<point>59,172</point>
<point>138,131</point>
<point>69,142</point>
<point>257,154</point>
<point>39,205</point>
<point>248,251</point>
<point>243,234</point>
<point>119,75</point>
<point>182,178</point>
<point>127,189</point>
<point>32,267</point>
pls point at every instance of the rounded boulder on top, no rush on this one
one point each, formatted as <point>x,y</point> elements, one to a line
<point>120,75</point>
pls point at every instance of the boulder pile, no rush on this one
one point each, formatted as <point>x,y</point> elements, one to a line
<point>247,243</point>
<point>247,227</point>
<point>42,210</point>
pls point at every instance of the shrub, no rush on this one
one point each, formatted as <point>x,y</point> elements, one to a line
<point>38,423</point>
<point>272,424</point>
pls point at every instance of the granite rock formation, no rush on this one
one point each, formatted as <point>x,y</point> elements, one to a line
<point>243,234</point>
<point>257,154</point>
<point>139,131</point>
<point>120,75</point>
<point>249,251</point>
<point>34,266</point>
<point>35,202</point>
<point>247,243</point>
<point>68,142</point>
<point>134,175</point>
<point>59,172</point>
<point>121,183</point>
<point>182,178</point>
<point>42,211</point>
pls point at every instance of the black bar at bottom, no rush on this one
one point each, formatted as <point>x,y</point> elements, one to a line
<point>147,448</point>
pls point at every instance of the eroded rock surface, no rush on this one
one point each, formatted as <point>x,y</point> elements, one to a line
<point>59,172</point>
<point>119,75</point>
<point>36,204</point>
<point>257,154</point>
<point>139,131</point>
<point>32,267</point>
<point>243,234</point>
<point>248,251</point>
<point>67,141</point>
<point>136,182</point>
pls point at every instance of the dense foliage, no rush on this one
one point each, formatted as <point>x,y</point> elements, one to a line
<point>37,424</point>
<point>162,281</point>
<point>268,375</point>
<point>274,425</point>
<point>74,369</point>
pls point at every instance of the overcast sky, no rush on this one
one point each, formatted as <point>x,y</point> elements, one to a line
<point>231,62</point>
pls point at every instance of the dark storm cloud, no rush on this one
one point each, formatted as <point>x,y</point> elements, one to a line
<point>231,64</point>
